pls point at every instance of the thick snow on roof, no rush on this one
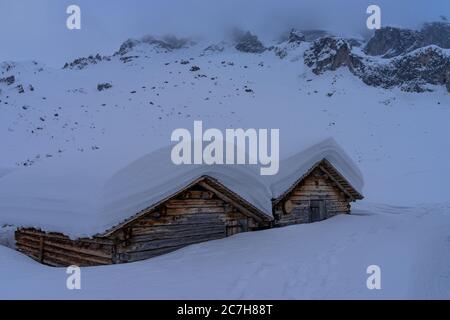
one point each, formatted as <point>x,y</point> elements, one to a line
<point>85,196</point>
<point>154,177</point>
<point>295,166</point>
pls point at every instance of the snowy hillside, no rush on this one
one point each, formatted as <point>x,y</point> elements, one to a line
<point>130,103</point>
<point>326,260</point>
<point>387,104</point>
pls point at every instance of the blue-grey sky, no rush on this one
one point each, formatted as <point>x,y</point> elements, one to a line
<point>36,29</point>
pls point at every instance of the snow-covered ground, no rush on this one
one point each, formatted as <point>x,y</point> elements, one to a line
<point>321,260</point>
<point>398,139</point>
<point>7,236</point>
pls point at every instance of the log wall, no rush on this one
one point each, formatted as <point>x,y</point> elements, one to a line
<point>192,217</point>
<point>182,221</point>
<point>58,250</point>
<point>196,215</point>
<point>317,186</point>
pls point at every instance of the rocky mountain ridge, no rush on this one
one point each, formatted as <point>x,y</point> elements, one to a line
<point>393,57</point>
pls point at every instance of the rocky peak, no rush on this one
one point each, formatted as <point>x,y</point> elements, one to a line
<point>247,42</point>
<point>127,46</point>
<point>214,48</point>
<point>289,42</point>
<point>413,72</point>
<point>296,36</point>
<point>329,54</point>
<point>436,33</point>
<point>167,43</point>
<point>429,65</point>
<point>390,42</point>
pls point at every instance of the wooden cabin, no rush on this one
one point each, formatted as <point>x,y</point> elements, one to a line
<point>205,210</point>
<point>322,192</point>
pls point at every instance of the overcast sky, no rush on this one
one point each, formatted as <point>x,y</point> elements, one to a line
<point>36,29</point>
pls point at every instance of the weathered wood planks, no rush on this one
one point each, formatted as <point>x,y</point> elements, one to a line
<point>317,186</point>
<point>194,216</point>
<point>204,211</point>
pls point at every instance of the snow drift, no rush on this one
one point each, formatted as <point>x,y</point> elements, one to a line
<point>89,195</point>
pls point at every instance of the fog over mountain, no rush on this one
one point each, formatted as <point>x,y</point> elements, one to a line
<point>36,29</point>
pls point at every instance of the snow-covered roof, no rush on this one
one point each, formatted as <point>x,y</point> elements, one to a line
<point>88,195</point>
<point>82,196</point>
<point>297,165</point>
<point>154,177</point>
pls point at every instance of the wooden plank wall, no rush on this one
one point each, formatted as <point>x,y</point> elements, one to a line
<point>316,186</point>
<point>196,215</point>
<point>182,221</point>
<point>58,250</point>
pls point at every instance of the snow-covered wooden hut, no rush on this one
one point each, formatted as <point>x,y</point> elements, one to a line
<point>97,214</point>
<point>315,184</point>
<point>202,210</point>
<point>91,215</point>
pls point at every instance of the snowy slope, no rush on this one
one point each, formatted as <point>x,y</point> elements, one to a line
<point>396,137</point>
<point>5,170</point>
<point>326,260</point>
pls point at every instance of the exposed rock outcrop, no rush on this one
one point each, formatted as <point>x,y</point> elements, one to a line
<point>127,46</point>
<point>414,71</point>
<point>249,43</point>
<point>8,80</point>
<point>390,42</point>
<point>220,47</point>
<point>104,86</point>
<point>436,33</point>
<point>296,36</point>
<point>329,54</point>
<point>82,63</point>
<point>290,42</point>
<point>167,43</point>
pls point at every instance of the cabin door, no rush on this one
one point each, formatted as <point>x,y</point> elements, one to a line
<point>236,226</point>
<point>317,210</point>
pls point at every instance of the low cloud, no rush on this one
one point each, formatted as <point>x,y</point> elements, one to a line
<point>32,29</point>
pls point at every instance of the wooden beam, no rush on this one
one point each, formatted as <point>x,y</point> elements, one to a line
<point>41,249</point>
<point>340,186</point>
<point>229,200</point>
<point>343,180</point>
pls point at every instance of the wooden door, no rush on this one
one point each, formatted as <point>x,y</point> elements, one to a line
<point>317,210</point>
<point>237,226</point>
